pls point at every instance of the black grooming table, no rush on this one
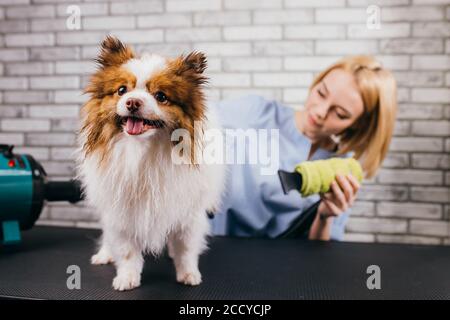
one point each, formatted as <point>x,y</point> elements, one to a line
<point>232,269</point>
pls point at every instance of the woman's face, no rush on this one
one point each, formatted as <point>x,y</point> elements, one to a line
<point>333,105</point>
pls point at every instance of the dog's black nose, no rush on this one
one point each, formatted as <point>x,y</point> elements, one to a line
<point>134,104</point>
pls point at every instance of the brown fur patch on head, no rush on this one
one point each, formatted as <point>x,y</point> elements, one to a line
<point>113,53</point>
<point>106,81</point>
<point>182,82</point>
<point>100,123</point>
<point>109,75</point>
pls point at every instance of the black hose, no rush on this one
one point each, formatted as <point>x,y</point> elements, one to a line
<point>63,191</point>
<point>301,225</point>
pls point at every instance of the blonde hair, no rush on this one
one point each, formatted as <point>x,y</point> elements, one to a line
<point>369,137</point>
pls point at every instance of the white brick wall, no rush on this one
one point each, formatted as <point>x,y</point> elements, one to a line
<point>267,47</point>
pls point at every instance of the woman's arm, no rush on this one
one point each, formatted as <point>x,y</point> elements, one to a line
<point>321,227</point>
<point>341,197</point>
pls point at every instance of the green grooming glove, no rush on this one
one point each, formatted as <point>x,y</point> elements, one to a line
<point>318,175</point>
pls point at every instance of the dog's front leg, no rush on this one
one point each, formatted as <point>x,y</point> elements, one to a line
<point>103,255</point>
<point>129,263</point>
<point>186,244</point>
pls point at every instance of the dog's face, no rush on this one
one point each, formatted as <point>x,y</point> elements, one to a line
<point>139,96</point>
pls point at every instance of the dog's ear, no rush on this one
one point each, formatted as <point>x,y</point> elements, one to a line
<point>191,67</point>
<point>113,52</point>
<point>194,61</point>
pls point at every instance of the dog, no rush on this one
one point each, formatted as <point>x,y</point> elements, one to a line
<point>125,161</point>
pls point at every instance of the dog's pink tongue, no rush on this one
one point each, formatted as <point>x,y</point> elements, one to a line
<point>134,126</point>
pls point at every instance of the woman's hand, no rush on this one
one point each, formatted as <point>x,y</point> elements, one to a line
<point>341,196</point>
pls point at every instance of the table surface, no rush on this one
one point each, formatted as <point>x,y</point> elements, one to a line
<point>233,268</point>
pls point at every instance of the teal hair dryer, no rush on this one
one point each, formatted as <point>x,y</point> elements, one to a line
<point>23,190</point>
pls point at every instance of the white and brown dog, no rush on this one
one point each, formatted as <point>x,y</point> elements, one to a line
<point>125,162</point>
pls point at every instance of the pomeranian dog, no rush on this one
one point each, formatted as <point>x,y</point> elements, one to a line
<point>125,161</point>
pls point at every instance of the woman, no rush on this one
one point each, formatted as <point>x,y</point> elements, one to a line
<point>350,111</point>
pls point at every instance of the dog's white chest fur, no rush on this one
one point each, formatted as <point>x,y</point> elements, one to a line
<point>142,194</point>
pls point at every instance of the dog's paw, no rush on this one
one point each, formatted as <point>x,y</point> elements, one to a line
<point>101,258</point>
<point>126,281</point>
<point>190,278</point>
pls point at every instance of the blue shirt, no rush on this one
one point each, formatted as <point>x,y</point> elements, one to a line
<point>254,204</point>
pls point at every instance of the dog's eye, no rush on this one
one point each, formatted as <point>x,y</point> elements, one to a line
<point>122,90</point>
<point>161,97</point>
